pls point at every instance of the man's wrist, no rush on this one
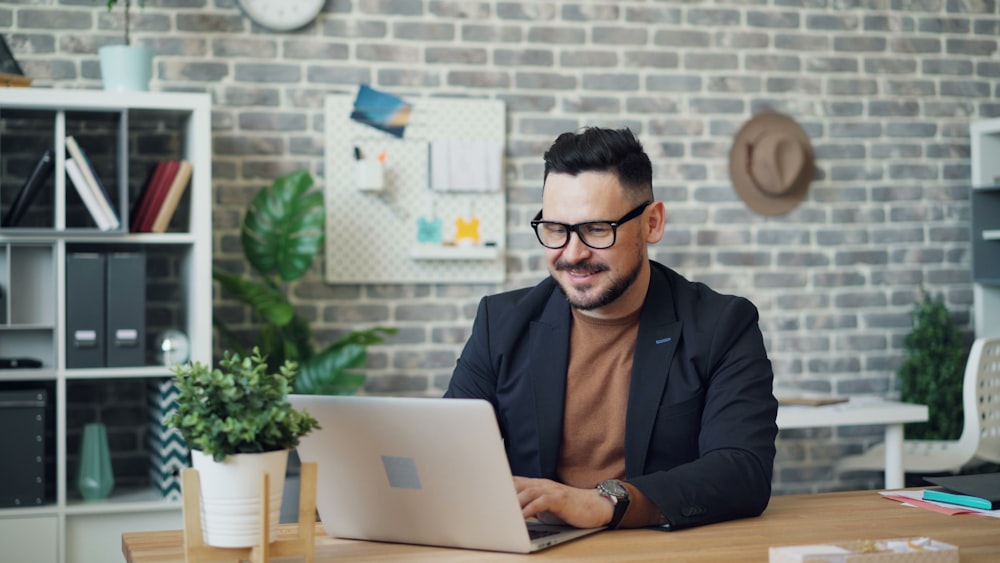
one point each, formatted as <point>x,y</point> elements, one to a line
<point>618,495</point>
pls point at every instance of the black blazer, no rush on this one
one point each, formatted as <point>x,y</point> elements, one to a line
<point>700,427</point>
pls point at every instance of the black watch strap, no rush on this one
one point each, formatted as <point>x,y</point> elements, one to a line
<point>614,491</point>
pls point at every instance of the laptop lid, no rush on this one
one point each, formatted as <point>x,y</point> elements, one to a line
<point>425,471</point>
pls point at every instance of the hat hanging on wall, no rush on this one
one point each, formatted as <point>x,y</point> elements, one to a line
<point>771,163</point>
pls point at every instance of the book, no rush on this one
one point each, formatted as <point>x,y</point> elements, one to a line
<point>177,187</point>
<point>941,494</point>
<point>141,203</point>
<point>39,174</point>
<point>87,172</point>
<point>87,195</point>
<point>154,196</point>
<point>977,491</point>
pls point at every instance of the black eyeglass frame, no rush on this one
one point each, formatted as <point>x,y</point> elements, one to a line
<point>537,221</point>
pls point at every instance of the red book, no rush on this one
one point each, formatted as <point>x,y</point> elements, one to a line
<point>154,195</point>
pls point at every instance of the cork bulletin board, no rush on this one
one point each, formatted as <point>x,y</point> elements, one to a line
<point>381,200</point>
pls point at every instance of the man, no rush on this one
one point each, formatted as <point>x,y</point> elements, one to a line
<point>627,395</point>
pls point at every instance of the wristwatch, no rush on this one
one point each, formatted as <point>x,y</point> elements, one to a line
<point>613,490</point>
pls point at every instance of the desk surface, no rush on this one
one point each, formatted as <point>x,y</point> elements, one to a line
<point>789,520</point>
<point>854,412</point>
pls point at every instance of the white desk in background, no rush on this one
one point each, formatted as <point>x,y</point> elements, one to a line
<point>861,412</point>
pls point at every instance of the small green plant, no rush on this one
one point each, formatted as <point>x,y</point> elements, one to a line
<point>128,24</point>
<point>283,231</point>
<point>933,370</point>
<point>240,408</point>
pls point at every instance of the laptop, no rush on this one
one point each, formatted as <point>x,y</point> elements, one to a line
<point>426,471</point>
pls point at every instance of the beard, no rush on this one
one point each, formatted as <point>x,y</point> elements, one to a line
<point>576,294</point>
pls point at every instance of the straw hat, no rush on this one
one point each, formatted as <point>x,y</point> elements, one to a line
<point>771,163</point>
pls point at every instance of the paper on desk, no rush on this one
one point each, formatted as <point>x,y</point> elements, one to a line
<point>915,498</point>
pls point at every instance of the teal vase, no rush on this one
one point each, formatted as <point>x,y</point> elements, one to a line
<point>94,479</point>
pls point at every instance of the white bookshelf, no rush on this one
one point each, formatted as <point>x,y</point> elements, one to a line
<point>65,529</point>
<point>985,235</point>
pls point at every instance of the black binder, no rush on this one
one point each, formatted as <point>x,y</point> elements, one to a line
<point>126,309</point>
<point>85,310</point>
<point>39,175</point>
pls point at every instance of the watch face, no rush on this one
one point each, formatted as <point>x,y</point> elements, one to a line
<point>282,15</point>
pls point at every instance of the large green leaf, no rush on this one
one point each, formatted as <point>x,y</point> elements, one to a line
<point>284,227</point>
<point>330,372</point>
<point>267,302</point>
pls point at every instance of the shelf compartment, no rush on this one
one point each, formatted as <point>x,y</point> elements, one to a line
<point>985,205</point>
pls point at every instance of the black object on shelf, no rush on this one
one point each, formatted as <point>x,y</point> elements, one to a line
<point>38,177</point>
<point>20,363</point>
<point>23,462</point>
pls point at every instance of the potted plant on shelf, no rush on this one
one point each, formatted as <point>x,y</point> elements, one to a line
<point>282,232</point>
<point>239,423</point>
<point>126,67</point>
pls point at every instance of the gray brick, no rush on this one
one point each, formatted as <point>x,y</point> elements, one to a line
<point>802,259</point>
<point>264,73</point>
<point>896,150</point>
<point>838,279</point>
<point>407,78</point>
<point>741,39</point>
<point>474,79</point>
<point>338,75</point>
<point>852,87</point>
<point>797,85</point>
<point>862,44</point>
<point>915,45</point>
<point>545,81</point>
<point>459,9</point>
<point>710,61</point>
<point>943,25</point>
<point>768,63</point>
<point>618,82</point>
<point>973,47</point>
<point>968,89</point>
<point>911,88</point>
<point>592,104</point>
<point>658,14</point>
<point>801,42</point>
<point>556,35</point>
<point>455,55</point>
<point>525,11</point>
<point>831,64</point>
<point>588,58</point>
<point>687,39</point>
<point>387,53</point>
<point>423,31</point>
<point>836,321</point>
<point>831,22</point>
<point>491,34</point>
<point>590,12</point>
<point>391,7</point>
<point>948,67</point>
<point>523,57</point>
<point>604,35</point>
<point>856,257</point>
<point>354,28</point>
<point>652,59</point>
<point>192,71</point>
<point>665,83</point>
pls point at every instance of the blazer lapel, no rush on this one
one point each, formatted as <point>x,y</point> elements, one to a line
<point>655,344</point>
<point>549,341</point>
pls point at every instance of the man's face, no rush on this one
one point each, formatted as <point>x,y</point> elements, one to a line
<point>594,279</point>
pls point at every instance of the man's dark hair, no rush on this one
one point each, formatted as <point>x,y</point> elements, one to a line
<point>603,150</point>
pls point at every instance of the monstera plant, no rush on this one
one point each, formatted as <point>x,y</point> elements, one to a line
<point>282,232</point>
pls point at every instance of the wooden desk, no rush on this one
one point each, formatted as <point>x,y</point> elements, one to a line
<point>862,412</point>
<point>789,520</point>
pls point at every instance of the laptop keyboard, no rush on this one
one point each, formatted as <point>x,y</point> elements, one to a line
<point>535,533</point>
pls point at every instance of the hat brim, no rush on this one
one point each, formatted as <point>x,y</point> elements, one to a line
<point>755,199</point>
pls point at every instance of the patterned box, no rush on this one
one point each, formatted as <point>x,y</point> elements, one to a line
<point>168,452</point>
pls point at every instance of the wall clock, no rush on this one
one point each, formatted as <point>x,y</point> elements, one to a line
<point>283,15</point>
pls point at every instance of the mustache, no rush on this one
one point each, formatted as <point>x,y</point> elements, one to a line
<point>585,266</point>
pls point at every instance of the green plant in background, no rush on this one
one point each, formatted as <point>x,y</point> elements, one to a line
<point>282,233</point>
<point>240,408</point>
<point>128,23</point>
<point>933,370</point>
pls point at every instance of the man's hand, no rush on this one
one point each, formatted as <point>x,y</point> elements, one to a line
<point>553,502</point>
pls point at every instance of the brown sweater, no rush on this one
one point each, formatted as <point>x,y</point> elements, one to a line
<point>597,383</point>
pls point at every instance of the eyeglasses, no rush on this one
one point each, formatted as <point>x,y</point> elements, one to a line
<point>595,234</point>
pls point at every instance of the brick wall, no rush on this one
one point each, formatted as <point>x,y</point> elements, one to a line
<point>885,88</point>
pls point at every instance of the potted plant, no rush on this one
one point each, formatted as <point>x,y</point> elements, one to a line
<point>282,232</point>
<point>239,423</point>
<point>126,67</point>
<point>933,369</point>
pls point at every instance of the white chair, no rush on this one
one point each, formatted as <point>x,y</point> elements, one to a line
<point>980,439</point>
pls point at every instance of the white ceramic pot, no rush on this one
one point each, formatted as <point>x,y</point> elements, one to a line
<point>126,68</point>
<point>230,496</point>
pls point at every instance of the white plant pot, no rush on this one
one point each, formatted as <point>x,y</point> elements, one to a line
<point>230,496</point>
<point>126,68</point>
